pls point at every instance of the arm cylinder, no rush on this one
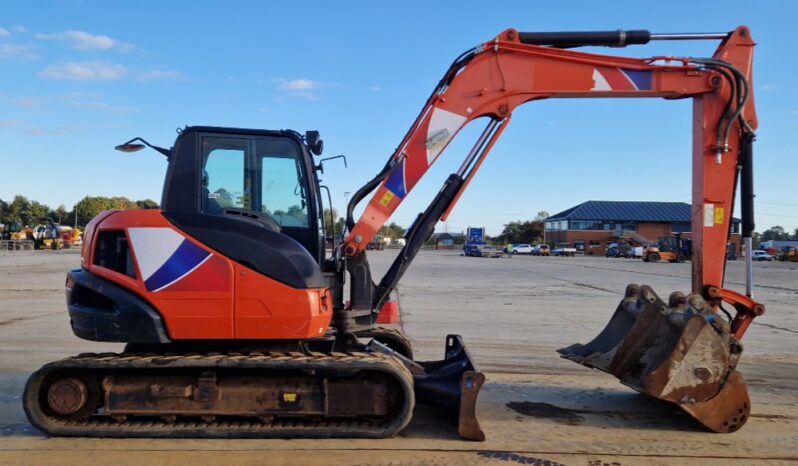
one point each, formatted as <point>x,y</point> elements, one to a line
<point>619,38</point>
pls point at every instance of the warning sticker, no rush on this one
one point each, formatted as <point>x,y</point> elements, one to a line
<point>718,215</point>
<point>386,199</point>
<point>709,215</point>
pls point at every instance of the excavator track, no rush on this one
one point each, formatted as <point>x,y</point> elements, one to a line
<point>265,395</point>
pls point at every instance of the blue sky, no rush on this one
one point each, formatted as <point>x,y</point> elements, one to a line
<point>79,77</point>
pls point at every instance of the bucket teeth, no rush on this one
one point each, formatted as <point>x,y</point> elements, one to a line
<point>679,352</point>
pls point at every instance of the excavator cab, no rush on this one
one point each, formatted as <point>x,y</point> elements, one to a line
<point>262,178</point>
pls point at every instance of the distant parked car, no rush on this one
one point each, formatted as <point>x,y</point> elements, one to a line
<point>489,251</point>
<point>541,250</point>
<point>472,250</point>
<point>760,255</point>
<point>619,250</point>
<point>636,252</point>
<point>564,250</point>
<point>522,249</point>
<point>731,252</point>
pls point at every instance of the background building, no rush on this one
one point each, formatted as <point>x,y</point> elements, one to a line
<point>592,225</point>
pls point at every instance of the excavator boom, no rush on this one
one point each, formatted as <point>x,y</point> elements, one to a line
<point>490,81</point>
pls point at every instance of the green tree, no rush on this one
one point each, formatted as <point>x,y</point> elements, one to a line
<point>123,203</point>
<point>330,214</point>
<point>3,211</point>
<point>774,233</point>
<point>338,227</point>
<point>19,210</point>
<point>392,230</point>
<point>90,206</point>
<point>59,215</point>
<point>530,231</point>
<point>542,215</point>
<point>147,204</point>
<point>36,211</point>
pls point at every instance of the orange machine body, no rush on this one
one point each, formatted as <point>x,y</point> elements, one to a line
<point>203,294</point>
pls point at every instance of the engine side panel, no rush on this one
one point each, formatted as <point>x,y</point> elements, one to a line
<point>200,293</point>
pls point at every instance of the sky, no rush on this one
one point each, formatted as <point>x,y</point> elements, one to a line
<point>79,77</point>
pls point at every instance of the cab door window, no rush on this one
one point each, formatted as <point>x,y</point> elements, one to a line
<point>224,180</point>
<point>282,189</point>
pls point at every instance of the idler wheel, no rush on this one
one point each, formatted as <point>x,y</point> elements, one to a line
<point>67,396</point>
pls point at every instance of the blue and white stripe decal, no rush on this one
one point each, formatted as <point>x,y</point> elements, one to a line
<point>641,79</point>
<point>396,182</point>
<point>164,256</point>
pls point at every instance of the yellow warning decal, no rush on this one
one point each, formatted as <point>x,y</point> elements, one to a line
<point>289,397</point>
<point>718,215</point>
<point>386,198</point>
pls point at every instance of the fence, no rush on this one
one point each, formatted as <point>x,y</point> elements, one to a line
<point>16,245</point>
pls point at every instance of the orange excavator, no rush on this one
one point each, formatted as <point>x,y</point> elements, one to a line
<point>234,313</point>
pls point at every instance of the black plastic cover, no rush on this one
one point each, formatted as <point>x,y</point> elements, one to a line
<point>102,311</point>
<point>268,252</point>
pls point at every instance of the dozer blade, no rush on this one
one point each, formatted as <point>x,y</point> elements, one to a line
<point>679,352</point>
<point>452,383</point>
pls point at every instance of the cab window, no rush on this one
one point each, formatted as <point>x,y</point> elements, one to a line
<point>283,193</point>
<point>224,175</point>
<point>258,174</point>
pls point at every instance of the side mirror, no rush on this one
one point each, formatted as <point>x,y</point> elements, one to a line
<point>132,146</point>
<point>314,142</point>
<point>129,148</point>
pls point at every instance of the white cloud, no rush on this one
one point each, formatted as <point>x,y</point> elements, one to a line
<point>17,51</point>
<point>27,102</point>
<point>768,87</point>
<point>100,106</point>
<point>299,88</point>
<point>84,71</point>
<point>22,127</point>
<point>375,88</point>
<point>160,73</point>
<point>82,40</point>
<point>76,95</point>
<point>89,100</point>
<point>305,95</point>
<point>19,29</point>
<point>297,85</point>
<point>5,32</point>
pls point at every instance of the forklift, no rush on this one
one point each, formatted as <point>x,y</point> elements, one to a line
<point>670,248</point>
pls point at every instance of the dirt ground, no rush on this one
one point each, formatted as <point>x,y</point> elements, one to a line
<point>513,313</point>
